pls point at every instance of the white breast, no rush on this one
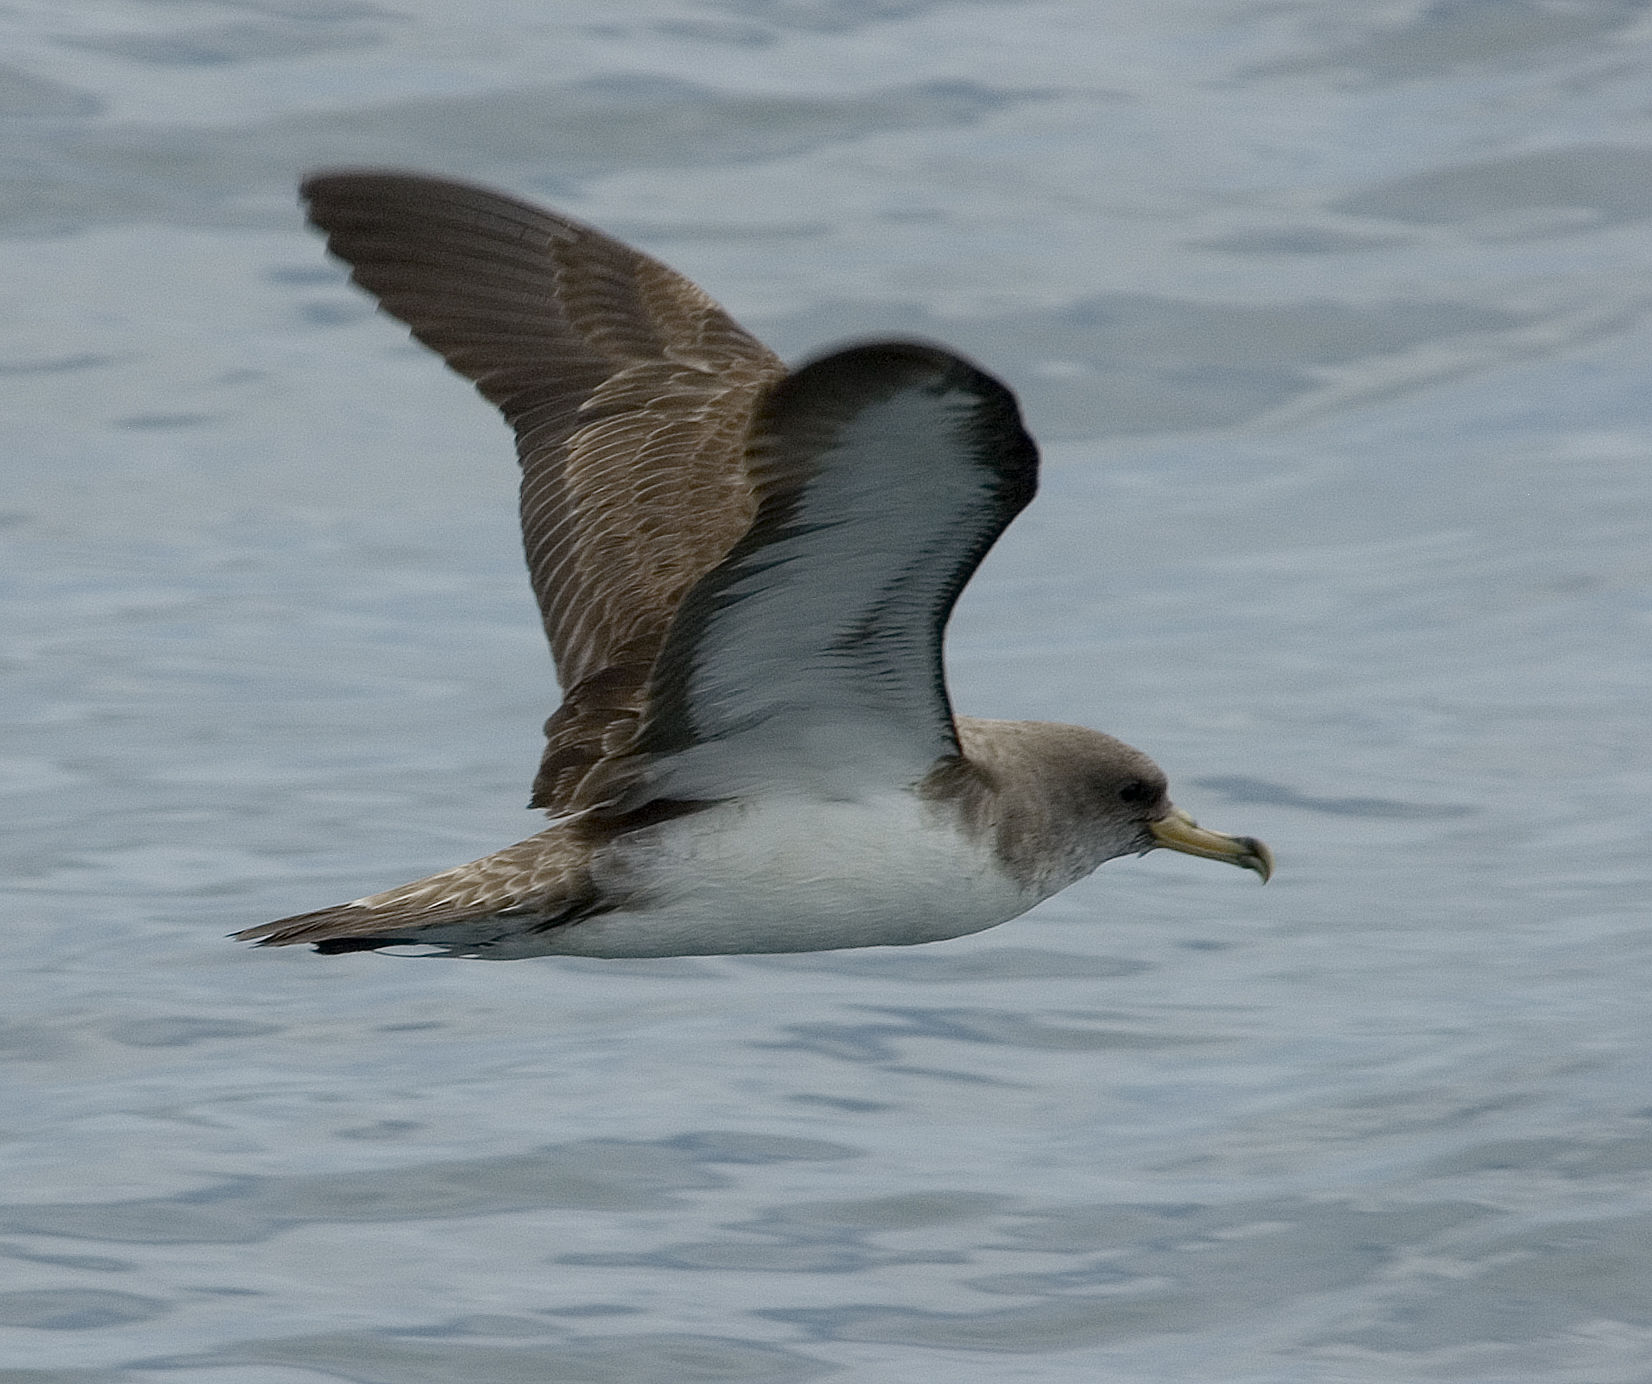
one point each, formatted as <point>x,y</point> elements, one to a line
<point>793,874</point>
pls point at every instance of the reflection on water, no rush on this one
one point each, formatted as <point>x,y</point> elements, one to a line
<point>1333,323</point>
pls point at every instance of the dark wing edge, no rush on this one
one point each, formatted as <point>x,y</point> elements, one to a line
<point>884,473</point>
<point>630,392</point>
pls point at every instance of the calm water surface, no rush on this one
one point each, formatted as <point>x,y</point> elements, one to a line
<point>1334,320</point>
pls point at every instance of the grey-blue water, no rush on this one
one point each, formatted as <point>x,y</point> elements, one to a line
<point>1335,322</point>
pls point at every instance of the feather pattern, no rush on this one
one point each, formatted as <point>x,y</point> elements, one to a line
<point>630,392</point>
<point>538,884</point>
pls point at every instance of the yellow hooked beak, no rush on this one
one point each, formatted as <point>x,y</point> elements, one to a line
<point>1180,832</point>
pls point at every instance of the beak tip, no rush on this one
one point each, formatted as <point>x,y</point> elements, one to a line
<point>1178,831</point>
<point>1258,858</point>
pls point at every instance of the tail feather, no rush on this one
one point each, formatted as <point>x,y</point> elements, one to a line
<point>353,928</point>
<point>532,886</point>
<point>350,927</point>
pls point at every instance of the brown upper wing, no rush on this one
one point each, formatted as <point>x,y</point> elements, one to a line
<point>631,393</point>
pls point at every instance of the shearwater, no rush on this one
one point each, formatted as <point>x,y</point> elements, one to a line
<point>745,575</point>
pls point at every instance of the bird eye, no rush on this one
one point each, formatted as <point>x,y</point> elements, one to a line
<point>1136,791</point>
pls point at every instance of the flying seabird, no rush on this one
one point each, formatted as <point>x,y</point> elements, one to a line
<point>745,574</point>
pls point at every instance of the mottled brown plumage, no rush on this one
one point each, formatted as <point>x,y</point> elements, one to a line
<point>541,882</point>
<point>631,394</point>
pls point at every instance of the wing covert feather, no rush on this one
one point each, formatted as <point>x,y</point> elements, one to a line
<point>629,389</point>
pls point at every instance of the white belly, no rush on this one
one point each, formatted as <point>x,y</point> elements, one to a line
<point>790,874</point>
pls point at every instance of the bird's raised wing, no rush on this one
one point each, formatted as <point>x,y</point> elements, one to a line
<point>811,655</point>
<point>631,393</point>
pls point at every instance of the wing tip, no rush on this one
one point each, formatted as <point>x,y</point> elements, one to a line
<point>883,367</point>
<point>324,180</point>
<point>837,385</point>
<point>344,198</point>
<point>893,361</point>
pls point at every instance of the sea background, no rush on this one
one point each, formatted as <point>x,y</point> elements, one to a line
<point>1334,322</point>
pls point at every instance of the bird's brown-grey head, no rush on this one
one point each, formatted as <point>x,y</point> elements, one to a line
<point>1125,783</point>
<point>1065,798</point>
